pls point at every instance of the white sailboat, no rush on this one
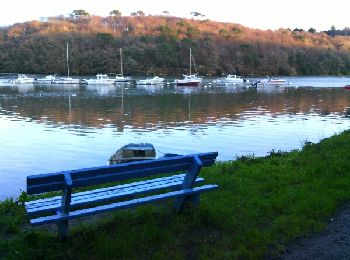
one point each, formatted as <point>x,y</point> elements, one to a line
<point>191,79</point>
<point>68,79</point>
<point>121,78</point>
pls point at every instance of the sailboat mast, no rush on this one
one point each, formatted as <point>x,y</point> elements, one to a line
<point>121,62</point>
<point>190,60</point>
<point>67,60</point>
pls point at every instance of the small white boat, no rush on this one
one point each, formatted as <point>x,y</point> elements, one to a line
<point>100,79</point>
<point>22,79</point>
<point>65,80</point>
<point>189,80</point>
<point>150,81</point>
<point>230,79</point>
<point>272,82</point>
<point>47,79</point>
<point>133,152</point>
<point>122,79</point>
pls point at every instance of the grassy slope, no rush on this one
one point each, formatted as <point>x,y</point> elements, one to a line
<point>262,204</point>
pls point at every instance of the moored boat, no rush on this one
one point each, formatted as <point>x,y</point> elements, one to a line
<point>46,79</point>
<point>191,79</point>
<point>68,79</point>
<point>150,81</point>
<point>120,78</point>
<point>272,82</point>
<point>133,152</point>
<point>100,79</point>
<point>230,79</point>
<point>22,79</point>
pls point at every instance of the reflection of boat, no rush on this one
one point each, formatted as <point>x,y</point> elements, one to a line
<point>150,81</point>
<point>25,88</point>
<point>269,90</point>
<point>133,152</point>
<point>189,80</point>
<point>187,89</point>
<point>230,79</point>
<point>22,79</point>
<point>151,88</point>
<point>66,80</point>
<point>101,90</point>
<point>121,78</point>
<point>47,79</point>
<point>100,79</point>
<point>272,82</point>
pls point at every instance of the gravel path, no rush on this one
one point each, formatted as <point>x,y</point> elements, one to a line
<point>332,243</point>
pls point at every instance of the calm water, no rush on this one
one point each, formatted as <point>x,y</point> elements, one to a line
<point>54,128</point>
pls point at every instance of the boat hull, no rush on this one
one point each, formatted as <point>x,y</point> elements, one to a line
<point>133,152</point>
<point>66,81</point>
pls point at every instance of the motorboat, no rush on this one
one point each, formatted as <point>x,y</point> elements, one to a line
<point>230,79</point>
<point>22,79</point>
<point>133,152</point>
<point>150,81</point>
<point>272,82</point>
<point>191,79</point>
<point>68,79</point>
<point>100,79</point>
<point>46,79</point>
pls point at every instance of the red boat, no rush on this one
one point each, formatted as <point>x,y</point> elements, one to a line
<point>347,87</point>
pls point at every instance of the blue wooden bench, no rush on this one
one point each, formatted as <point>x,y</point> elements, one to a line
<point>59,209</point>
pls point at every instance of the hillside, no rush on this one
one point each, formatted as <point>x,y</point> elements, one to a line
<point>160,45</point>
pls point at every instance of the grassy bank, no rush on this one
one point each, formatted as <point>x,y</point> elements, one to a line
<point>261,205</point>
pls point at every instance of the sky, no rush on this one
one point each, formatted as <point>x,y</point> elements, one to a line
<point>261,14</point>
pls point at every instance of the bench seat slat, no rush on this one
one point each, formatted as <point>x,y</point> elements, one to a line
<point>105,194</point>
<point>120,205</point>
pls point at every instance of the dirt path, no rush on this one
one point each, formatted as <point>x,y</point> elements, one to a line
<point>332,243</point>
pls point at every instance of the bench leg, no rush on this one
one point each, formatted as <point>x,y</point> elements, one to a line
<point>63,229</point>
<point>180,202</point>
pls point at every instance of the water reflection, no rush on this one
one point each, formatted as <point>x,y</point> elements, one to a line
<point>126,106</point>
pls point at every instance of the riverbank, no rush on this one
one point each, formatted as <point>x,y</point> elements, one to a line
<point>261,206</point>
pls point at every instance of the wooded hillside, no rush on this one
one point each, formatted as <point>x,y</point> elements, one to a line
<point>159,45</point>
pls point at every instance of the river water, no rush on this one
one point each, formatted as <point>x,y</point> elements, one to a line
<point>49,128</point>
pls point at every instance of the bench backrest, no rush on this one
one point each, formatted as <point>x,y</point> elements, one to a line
<point>98,175</point>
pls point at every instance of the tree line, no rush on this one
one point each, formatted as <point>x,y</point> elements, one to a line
<point>160,46</point>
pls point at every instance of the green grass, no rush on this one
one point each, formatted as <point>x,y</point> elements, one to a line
<point>261,205</point>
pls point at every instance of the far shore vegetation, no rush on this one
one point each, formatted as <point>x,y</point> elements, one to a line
<point>159,45</point>
<point>262,205</point>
